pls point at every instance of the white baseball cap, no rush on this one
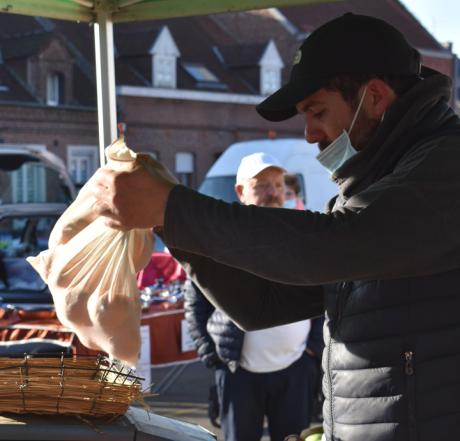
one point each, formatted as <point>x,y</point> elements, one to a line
<point>252,165</point>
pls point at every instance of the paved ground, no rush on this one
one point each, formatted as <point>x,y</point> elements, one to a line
<point>182,392</point>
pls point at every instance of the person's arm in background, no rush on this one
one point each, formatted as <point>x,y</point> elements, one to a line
<point>197,313</point>
<point>315,341</point>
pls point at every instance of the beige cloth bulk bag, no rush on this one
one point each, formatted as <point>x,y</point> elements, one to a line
<point>91,269</point>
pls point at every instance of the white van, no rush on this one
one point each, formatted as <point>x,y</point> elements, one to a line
<point>295,155</point>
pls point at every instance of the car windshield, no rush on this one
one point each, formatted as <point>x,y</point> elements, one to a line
<point>20,237</point>
<point>29,181</point>
<point>220,187</point>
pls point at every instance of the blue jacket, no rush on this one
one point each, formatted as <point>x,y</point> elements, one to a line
<point>218,339</point>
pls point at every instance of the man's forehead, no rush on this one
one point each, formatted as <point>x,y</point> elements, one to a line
<point>318,98</point>
<point>269,173</point>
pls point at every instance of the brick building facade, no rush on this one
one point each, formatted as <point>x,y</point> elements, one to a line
<point>186,87</point>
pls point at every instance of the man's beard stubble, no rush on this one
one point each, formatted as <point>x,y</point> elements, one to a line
<point>361,133</point>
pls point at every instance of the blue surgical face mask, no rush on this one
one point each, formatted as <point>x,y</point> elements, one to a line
<point>290,203</point>
<point>340,150</point>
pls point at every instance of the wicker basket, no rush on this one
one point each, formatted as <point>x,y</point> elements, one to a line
<point>78,385</point>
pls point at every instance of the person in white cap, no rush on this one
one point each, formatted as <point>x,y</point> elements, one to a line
<point>258,373</point>
<point>260,181</point>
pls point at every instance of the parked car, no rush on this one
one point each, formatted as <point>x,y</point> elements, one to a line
<point>35,189</point>
<point>295,155</point>
<point>31,174</point>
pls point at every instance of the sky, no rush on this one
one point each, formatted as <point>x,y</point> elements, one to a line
<point>440,17</point>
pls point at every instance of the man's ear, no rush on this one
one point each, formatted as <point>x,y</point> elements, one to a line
<point>239,192</point>
<point>380,98</point>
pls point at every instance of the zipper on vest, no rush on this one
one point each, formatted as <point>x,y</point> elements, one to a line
<point>345,288</point>
<point>409,370</point>
<point>408,366</point>
<point>329,380</point>
<point>340,300</point>
<point>341,295</point>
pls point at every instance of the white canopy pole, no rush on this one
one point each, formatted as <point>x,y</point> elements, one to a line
<point>105,79</point>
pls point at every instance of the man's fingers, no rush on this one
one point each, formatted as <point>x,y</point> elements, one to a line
<point>103,190</point>
<point>114,224</point>
<point>111,218</point>
<point>102,208</point>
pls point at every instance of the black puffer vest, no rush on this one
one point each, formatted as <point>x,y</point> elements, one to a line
<point>392,359</point>
<point>392,356</point>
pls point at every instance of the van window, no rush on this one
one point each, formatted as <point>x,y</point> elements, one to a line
<point>220,187</point>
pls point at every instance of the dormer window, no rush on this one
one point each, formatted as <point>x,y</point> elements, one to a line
<point>203,77</point>
<point>164,71</point>
<point>200,73</point>
<point>270,69</point>
<point>54,89</point>
<point>164,60</point>
<point>270,80</point>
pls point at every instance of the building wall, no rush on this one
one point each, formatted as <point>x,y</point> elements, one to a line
<point>166,126</point>
<point>53,59</point>
<point>54,127</point>
<point>162,126</point>
<point>444,65</point>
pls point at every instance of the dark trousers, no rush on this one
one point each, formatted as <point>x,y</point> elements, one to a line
<point>246,397</point>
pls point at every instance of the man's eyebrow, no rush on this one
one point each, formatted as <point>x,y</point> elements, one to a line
<point>308,104</point>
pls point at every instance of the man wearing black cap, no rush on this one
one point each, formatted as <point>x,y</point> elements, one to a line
<point>384,261</point>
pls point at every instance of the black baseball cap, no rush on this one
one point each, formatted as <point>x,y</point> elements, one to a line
<point>350,44</point>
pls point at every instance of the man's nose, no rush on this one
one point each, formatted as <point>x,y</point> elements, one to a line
<point>312,132</point>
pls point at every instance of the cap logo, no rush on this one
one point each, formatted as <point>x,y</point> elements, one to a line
<point>297,58</point>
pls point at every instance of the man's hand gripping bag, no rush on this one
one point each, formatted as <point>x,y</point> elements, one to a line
<point>90,270</point>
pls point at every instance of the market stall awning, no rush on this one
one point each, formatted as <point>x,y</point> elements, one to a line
<point>106,12</point>
<point>131,10</point>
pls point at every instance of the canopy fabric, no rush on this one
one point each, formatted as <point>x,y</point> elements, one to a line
<point>132,10</point>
